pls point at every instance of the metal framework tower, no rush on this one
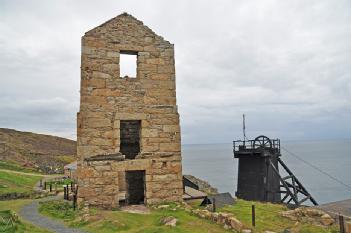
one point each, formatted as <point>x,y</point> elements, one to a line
<point>258,173</point>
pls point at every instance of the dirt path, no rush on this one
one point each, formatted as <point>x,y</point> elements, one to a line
<point>31,214</point>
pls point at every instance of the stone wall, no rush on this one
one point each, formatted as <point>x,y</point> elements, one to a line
<point>98,184</point>
<point>106,100</point>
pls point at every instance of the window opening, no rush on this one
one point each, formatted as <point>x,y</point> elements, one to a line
<point>128,64</point>
<point>130,138</point>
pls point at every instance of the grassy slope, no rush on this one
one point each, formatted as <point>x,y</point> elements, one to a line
<point>14,182</point>
<point>23,226</point>
<point>38,151</point>
<point>15,167</point>
<point>268,217</point>
<point>117,221</point>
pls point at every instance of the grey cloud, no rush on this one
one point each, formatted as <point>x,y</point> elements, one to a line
<point>286,64</point>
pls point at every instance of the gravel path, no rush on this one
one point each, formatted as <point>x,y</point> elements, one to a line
<point>31,214</point>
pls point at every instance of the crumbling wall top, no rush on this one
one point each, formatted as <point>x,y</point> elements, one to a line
<point>124,27</point>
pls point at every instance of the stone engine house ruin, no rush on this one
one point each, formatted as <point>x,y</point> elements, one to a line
<point>128,127</point>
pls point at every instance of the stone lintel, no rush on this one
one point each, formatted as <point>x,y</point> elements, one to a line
<point>113,157</point>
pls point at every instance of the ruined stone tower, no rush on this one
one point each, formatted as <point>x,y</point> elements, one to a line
<point>128,127</point>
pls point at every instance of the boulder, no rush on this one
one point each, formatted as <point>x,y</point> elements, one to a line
<point>326,220</point>
<point>214,217</point>
<point>162,206</point>
<point>222,218</point>
<point>207,214</point>
<point>169,221</point>
<point>310,215</point>
<point>235,224</point>
<point>313,212</point>
<point>246,231</point>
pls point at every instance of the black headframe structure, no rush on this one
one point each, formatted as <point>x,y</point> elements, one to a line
<point>258,174</point>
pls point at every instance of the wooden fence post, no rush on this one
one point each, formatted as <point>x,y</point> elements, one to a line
<point>50,187</point>
<point>214,205</point>
<point>341,224</point>
<point>348,227</point>
<point>74,201</point>
<point>253,215</point>
<point>67,186</point>
<point>64,193</point>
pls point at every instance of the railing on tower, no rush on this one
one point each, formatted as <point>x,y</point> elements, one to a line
<point>258,143</point>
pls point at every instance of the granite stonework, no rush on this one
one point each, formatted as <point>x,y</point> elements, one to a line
<point>107,99</point>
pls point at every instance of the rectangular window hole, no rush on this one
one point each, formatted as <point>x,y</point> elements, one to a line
<point>130,138</point>
<point>128,64</point>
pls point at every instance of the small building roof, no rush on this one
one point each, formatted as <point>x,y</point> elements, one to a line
<point>191,193</point>
<point>71,166</point>
<point>221,199</point>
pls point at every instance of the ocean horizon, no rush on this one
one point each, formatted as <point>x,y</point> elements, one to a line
<point>215,163</point>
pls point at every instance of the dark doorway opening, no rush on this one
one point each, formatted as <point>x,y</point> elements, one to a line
<point>130,138</point>
<point>135,182</point>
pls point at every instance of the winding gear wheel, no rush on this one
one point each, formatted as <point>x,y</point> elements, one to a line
<point>262,142</point>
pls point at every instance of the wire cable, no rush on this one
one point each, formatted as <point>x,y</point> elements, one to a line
<point>318,169</point>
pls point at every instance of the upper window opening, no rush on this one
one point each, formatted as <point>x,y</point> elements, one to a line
<point>128,64</point>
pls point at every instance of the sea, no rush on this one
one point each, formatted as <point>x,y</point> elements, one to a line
<point>330,160</point>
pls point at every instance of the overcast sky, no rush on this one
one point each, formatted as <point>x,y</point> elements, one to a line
<point>285,64</point>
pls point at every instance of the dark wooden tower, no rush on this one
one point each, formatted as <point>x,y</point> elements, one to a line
<point>258,173</point>
<point>256,179</point>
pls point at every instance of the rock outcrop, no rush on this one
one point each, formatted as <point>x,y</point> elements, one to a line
<point>204,186</point>
<point>169,221</point>
<point>309,215</point>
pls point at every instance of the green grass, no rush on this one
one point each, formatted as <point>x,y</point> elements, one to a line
<point>57,185</point>
<point>14,205</point>
<point>14,182</point>
<point>268,218</point>
<point>8,222</point>
<point>67,181</point>
<point>58,209</point>
<point>7,210</point>
<point>66,158</point>
<point>117,221</point>
<point>15,167</point>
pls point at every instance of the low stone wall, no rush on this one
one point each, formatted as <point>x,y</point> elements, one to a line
<point>227,220</point>
<point>15,195</point>
<point>12,196</point>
